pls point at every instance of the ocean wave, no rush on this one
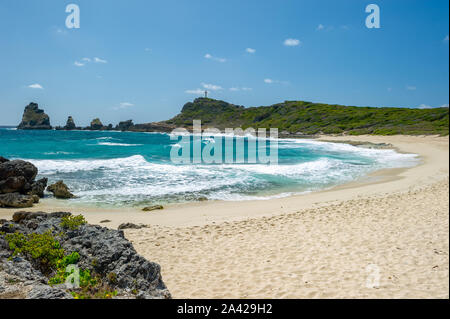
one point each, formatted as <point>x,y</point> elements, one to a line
<point>312,165</point>
<point>69,166</point>
<point>118,144</point>
<point>59,153</point>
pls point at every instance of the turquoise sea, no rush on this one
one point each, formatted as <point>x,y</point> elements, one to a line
<point>134,169</point>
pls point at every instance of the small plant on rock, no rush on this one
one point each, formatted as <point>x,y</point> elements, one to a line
<point>41,248</point>
<point>73,222</point>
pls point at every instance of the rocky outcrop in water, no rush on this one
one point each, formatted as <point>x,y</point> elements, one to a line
<point>34,119</point>
<point>125,125</point>
<point>96,125</point>
<point>70,125</point>
<point>110,258</point>
<point>18,187</point>
<point>60,190</point>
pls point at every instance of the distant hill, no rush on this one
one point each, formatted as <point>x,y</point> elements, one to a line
<point>306,118</point>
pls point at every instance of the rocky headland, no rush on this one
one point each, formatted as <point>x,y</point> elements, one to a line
<point>60,256</point>
<point>291,118</point>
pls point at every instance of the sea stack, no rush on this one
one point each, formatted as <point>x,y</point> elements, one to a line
<point>34,119</point>
<point>96,125</point>
<point>70,125</point>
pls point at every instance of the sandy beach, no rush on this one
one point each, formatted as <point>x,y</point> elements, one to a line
<point>385,236</point>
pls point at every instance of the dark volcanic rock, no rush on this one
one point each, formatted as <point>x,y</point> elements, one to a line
<point>18,168</point>
<point>96,125</point>
<point>70,125</point>
<point>12,184</point>
<point>38,187</point>
<point>34,119</point>
<point>18,189</point>
<point>16,176</point>
<point>130,226</point>
<point>16,200</point>
<point>125,125</point>
<point>103,251</point>
<point>47,292</point>
<point>151,208</point>
<point>153,127</point>
<point>60,190</point>
<point>3,160</point>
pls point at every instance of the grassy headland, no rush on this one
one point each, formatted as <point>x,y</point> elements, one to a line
<point>307,118</point>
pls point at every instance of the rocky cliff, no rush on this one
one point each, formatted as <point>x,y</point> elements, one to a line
<point>34,119</point>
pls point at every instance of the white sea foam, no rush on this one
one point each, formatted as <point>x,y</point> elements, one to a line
<point>117,144</point>
<point>133,178</point>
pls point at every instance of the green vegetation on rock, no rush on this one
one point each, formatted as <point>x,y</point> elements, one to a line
<point>72,222</point>
<point>34,118</point>
<point>307,118</point>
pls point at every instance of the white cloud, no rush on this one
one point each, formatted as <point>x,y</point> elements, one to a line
<point>197,91</point>
<point>445,105</point>
<point>292,42</point>
<point>250,50</point>
<point>126,104</point>
<point>211,87</point>
<point>123,105</point>
<point>320,27</point>
<point>210,57</point>
<point>36,86</point>
<point>89,60</point>
<point>98,60</point>
<point>411,88</point>
<point>446,39</point>
<point>271,81</point>
<point>236,89</point>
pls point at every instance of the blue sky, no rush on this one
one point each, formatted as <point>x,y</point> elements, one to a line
<point>142,60</point>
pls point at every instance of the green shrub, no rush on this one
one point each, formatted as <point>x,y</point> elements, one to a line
<point>41,248</point>
<point>73,222</point>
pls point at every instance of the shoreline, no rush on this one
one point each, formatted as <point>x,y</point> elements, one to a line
<point>186,214</point>
<point>319,245</point>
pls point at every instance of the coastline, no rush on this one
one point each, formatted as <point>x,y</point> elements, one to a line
<point>316,245</point>
<point>431,150</point>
